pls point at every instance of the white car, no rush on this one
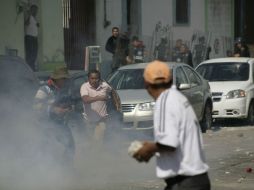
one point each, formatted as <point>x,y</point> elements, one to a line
<point>231,82</point>
<point>137,104</point>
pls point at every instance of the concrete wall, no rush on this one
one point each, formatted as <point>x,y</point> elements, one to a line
<point>12,27</point>
<point>153,12</point>
<point>162,10</point>
<point>51,44</point>
<point>51,27</point>
<point>220,22</point>
<point>197,21</point>
<point>114,15</point>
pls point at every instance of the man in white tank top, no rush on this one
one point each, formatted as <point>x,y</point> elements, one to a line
<point>178,141</point>
<point>31,37</point>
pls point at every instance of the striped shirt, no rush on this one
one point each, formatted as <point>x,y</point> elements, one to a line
<point>176,125</point>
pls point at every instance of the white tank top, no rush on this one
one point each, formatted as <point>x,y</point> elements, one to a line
<point>32,28</point>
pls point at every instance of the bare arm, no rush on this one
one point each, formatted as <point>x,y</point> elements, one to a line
<point>149,149</point>
<point>88,99</point>
<point>27,20</point>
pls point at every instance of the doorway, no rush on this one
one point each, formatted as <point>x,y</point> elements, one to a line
<point>79,22</point>
<point>243,20</point>
<point>133,17</point>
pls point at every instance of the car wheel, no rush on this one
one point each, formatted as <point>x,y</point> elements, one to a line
<point>206,122</point>
<point>251,114</point>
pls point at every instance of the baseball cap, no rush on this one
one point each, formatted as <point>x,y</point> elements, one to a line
<point>157,72</point>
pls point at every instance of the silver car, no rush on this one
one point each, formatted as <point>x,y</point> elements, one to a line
<point>137,104</point>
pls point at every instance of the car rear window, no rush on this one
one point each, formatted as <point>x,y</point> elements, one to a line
<point>230,71</point>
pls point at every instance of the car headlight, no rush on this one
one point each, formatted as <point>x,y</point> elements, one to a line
<point>148,106</point>
<point>236,94</point>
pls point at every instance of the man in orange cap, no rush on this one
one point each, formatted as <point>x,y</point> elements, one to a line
<point>178,140</point>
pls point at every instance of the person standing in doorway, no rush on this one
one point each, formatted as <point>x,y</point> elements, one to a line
<point>240,48</point>
<point>178,141</point>
<point>31,37</point>
<point>111,44</point>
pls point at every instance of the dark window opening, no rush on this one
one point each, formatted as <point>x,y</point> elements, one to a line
<point>128,12</point>
<point>181,11</point>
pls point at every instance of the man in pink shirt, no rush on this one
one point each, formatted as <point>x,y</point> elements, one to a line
<point>94,94</point>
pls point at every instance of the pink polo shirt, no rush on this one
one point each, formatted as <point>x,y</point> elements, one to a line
<point>96,108</point>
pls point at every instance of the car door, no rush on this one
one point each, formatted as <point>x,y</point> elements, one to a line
<point>196,90</point>
<point>181,79</point>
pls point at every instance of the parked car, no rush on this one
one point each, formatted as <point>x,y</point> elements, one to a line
<point>137,104</point>
<point>18,82</point>
<point>231,81</point>
<point>17,134</point>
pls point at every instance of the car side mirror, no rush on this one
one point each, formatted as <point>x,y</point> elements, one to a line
<point>184,86</point>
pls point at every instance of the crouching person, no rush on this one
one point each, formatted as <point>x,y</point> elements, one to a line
<point>51,103</point>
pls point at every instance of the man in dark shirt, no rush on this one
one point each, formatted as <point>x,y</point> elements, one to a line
<point>136,51</point>
<point>111,44</point>
<point>117,44</point>
<point>184,55</point>
<point>241,49</point>
<point>112,40</point>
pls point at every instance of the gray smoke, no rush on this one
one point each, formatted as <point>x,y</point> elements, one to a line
<point>30,158</point>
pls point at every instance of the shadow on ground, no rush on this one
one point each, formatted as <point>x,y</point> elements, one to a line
<point>219,124</point>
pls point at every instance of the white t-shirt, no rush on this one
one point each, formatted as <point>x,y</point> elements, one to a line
<point>176,125</point>
<point>32,29</point>
<point>98,107</point>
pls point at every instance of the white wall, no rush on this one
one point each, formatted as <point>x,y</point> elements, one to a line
<point>162,10</point>
<point>51,27</point>
<point>114,15</point>
<point>220,23</point>
<point>51,42</point>
<point>197,22</point>
<point>153,12</point>
<point>12,27</point>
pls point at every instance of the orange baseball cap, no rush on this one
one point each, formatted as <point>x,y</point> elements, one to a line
<point>157,72</point>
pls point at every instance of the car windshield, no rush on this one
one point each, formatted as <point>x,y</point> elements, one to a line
<point>225,71</point>
<point>127,79</point>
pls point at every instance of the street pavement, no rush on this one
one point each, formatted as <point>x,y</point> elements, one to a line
<point>230,155</point>
<point>228,147</point>
<point>229,151</point>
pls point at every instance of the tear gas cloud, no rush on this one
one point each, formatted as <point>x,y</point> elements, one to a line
<point>30,157</point>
